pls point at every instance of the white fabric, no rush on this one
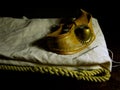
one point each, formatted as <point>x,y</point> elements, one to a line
<point>17,36</point>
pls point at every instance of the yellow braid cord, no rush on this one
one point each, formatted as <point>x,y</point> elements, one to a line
<point>97,75</point>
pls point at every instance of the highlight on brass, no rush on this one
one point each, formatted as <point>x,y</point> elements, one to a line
<point>83,33</point>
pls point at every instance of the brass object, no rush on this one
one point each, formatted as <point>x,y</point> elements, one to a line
<point>74,37</point>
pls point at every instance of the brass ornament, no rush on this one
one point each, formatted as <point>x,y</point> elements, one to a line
<point>73,37</point>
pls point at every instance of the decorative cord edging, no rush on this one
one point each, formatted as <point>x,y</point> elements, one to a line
<point>96,75</point>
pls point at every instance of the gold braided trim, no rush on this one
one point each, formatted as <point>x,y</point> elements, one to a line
<point>97,75</point>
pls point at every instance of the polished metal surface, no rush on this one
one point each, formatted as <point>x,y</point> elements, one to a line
<point>83,33</point>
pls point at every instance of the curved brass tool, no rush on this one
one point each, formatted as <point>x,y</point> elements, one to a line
<point>74,37</point>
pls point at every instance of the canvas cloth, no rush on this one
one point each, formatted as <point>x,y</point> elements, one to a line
<point>18,35</point>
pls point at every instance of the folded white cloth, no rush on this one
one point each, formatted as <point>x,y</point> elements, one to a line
<point>17,38</point>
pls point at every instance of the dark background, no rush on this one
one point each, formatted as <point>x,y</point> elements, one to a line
<point>107,14</point>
